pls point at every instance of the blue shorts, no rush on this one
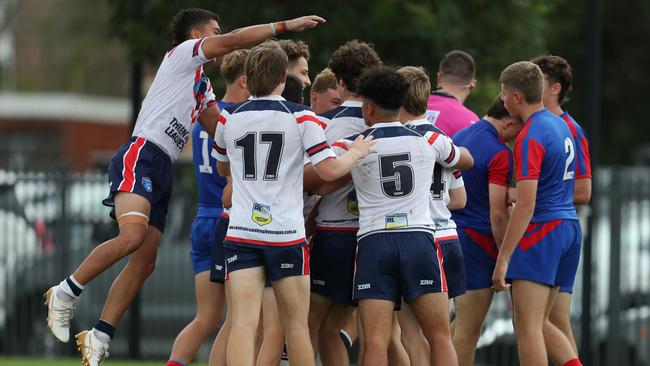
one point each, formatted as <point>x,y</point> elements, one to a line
<point>332,264</point>
<point>390,266</point>
<point>453,263</point>
<point>141,167</point>
<point>204,230</point>
<point>218,262</point>
<point>279,262</point>
<point>480,253</point>
<point>548,253</point>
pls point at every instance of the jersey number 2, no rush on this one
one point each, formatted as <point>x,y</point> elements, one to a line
<point>569,149</point>
<point>396,175</point>
<point>248,144</point>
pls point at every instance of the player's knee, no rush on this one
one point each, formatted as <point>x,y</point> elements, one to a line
<point>376,343</point>
<point>207,324</point>
<point>438,339</point>
<point>131,237</point>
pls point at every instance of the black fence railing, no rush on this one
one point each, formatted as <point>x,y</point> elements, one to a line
<point>49,222</point>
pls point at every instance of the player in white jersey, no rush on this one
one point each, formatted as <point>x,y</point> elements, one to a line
<point>140,173</point>
<point>334,244</point>
<point>262,142</point>
<point>397,255</point>
<point>446,183</point>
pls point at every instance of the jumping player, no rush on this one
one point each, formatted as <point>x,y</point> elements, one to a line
<point>335,241</point>
<point>541,246</point>
<point>262,143</point>
<point>140,173</point>
<point>558,82</point>
<point>456,80</point>
<point>210,296</point>
<point>397,255</point>
<point>482,222</point>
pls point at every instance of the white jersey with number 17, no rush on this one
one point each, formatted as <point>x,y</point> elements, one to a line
<point>265,140</point>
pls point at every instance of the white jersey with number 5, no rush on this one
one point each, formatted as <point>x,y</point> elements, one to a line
<point>179,93</point>
<point>393,184</point>
<point>265,140</point>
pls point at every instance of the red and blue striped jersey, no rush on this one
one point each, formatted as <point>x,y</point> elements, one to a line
<point>545,151</point>
<point>493,163</point>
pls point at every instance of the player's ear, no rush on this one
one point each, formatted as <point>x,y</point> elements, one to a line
<point>472,85</point>
<point>195,34</point>
<point>242,81</point>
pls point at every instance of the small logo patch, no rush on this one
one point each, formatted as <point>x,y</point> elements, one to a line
<point>397,220</point>
<point>232,259</point>
<point>262,214</point>
<point>286,265</point>
<point>426,282</point>
<point>146,183</point>
<point>218,267</point>
<point>363,286</point>
<point>353,204</point>
<point>318,282</point>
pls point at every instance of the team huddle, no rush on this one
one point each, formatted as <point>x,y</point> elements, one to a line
<point>367,216</point>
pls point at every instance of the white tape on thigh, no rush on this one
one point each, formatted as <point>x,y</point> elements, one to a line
<point>133,217</point>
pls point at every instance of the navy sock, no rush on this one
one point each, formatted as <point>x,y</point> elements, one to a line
<point>104,327</point>
<point>347,341</point>
<point>73,286</point>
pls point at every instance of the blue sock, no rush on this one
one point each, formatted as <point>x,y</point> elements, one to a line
<point>347,341</point>
<point>106,328</point>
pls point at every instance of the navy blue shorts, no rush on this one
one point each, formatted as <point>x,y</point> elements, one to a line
<point>480,254</point>
<point>279,262</point>
<point>332,264</point>
<point>390,266</point>
<point>204,232</point>
<point>548,253</point>
<point>141,167</point>
<point>453,263</point>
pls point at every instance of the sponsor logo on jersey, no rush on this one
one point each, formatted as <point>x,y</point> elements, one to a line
<point>286,265</point>
<point>396,221</point>
<point>426,282</point>
<point>146,183</point>
<point>353,204</point>
<point>432,116</point>
<point>262,214</point>
<point>318,282</point>
<point>363,286</point>
<point>232,259</point>
<point>178,133</point>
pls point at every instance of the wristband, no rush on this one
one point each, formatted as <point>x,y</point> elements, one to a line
<point>273,28</point>
<point>279,27</point>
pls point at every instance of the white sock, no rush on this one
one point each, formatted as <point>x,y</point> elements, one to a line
<point>103,337</point>
<point>66,293</point>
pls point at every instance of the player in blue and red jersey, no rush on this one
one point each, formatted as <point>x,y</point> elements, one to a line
<point>209,222</point>
<point>482,223</point>
<point>558,75</point>
<point>541,246</point>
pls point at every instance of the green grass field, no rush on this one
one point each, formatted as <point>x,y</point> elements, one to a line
<point>22,361</point>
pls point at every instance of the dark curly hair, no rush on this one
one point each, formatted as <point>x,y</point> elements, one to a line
<point>384,86</point>
<point>557,70</point>
<point>349,61</point>
<point>294,49</point>
<point>185,20</point>
<point>498,109</point>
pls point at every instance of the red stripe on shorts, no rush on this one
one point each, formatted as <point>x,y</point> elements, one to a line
<point>536,232</point>
<point>305,261</point>
<point>443,277</point>
<point>129,162</point>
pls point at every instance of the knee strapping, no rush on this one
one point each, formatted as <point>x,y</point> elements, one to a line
<point>133,217</point>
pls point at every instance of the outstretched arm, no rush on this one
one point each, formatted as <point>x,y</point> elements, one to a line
<point>220,45</point>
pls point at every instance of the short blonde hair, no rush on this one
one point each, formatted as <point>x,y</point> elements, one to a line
<point>418,90</point>
<point>232,66</point>
<point>265,68</point>
<point>525,77</point>
<point>323,81</point>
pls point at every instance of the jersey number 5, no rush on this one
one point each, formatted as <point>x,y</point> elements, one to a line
<point>569,149</point>
<point>248,144</point>
<point>396,175</point>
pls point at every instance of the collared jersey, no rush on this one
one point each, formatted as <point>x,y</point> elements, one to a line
<point>443,180</point>
<point>448,114</point>
<point>265,139</point>
<point>583,159</point>
<point>393,183</point>
<point>493,164</point>
<point>179,93</point>
<point>339,209</point>
<point>545,151</point>
<point>209,183</point>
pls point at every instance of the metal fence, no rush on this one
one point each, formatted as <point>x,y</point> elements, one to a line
<point>49,222</point>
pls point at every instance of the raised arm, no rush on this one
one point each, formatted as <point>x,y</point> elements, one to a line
<point>220,45</point>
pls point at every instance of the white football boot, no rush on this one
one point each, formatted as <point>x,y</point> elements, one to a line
<point>59,314</point>
<point>93,351</point>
